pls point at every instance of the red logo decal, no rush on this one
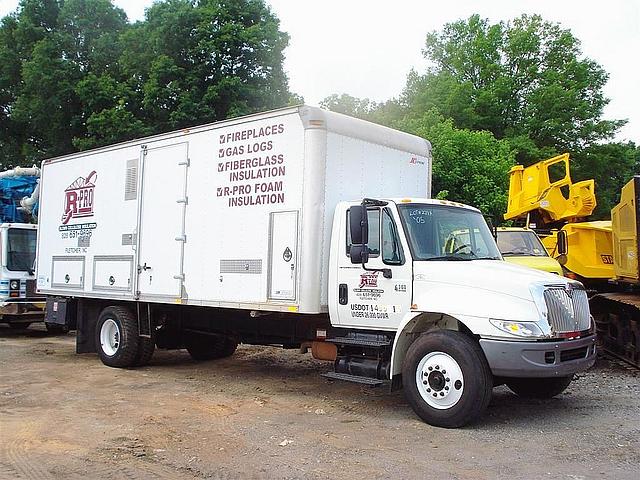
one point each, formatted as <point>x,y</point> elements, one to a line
<point>78,201</point>
<point>369,279</point>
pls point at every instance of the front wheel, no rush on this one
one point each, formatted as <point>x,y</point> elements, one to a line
<point>446,379</point>
<point>539,387</point>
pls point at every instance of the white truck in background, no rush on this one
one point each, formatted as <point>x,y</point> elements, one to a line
<point>20,306</point>
<point>301,228</point>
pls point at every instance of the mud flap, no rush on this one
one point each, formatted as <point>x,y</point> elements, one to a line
<point>87,317</point>
<point>61,311</point>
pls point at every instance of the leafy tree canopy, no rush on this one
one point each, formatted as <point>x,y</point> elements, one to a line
<point>526,79</point>
<point>526,85</point>
<point>74,74</point>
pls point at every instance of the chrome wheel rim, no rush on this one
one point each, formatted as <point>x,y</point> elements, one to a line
<point>110,337</point>
<point>439,380</point>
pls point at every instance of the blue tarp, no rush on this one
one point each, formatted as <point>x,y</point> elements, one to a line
<point>12,190</point>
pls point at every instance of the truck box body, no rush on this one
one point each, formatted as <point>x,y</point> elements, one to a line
<point>233,214</point>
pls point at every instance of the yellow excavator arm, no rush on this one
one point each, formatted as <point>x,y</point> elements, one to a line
<point>532,190</point>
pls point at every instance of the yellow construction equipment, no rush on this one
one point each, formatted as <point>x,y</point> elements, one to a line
<point>601,254</point>
<point>548,200</point>
<point>532,190</point>
<point>590,251</point>
<point>617,314</point>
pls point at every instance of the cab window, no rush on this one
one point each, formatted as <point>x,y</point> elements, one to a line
<point>391,248</point>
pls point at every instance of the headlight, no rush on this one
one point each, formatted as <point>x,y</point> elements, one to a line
<point>14,285</point>
<point>519,329</point>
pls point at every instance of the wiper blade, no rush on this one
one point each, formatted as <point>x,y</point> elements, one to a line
<point>486,258</point>
<point>450,258</point>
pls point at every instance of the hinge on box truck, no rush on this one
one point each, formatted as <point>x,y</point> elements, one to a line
<point>184,200</point>
<point>179,277</point>
<point>181,238</point>
<point>187,162</point>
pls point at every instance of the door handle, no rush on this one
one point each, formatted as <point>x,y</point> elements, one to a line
<point>343,294</point>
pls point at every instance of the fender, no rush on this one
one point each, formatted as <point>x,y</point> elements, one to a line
<point>412,324</point>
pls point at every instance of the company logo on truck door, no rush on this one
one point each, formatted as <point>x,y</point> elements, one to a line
<point>78,198</point>
<point>369,279</point>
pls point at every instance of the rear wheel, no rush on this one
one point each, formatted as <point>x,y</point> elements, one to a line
<point>446,379</point>
<point>145,351</point>
<point>210,347</point>
<point>539,387</point>
<point>117,337</point>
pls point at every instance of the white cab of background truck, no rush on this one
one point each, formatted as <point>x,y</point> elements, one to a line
<point>19,304</point>
<point>253,230</point>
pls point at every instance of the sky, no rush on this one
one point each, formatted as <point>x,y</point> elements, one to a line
<point>366,48</point>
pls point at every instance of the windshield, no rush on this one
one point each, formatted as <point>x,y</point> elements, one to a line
<point>21,249</point>
<point>520,243</point>
<point>438,232</point>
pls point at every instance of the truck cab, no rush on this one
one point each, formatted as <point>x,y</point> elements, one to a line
<point>522,246</point>
<point>459,317</point>
<point>19,303</point>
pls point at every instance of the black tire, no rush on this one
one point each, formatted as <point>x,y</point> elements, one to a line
<point>145,351</point>
<point>127,349</point>
<point>210,347</point>
<point>19,326</point>
<point>476,382</point>
<point>539,387</point>
<point>56,329</point>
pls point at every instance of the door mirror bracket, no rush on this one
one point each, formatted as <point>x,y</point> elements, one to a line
<point>359,230</point>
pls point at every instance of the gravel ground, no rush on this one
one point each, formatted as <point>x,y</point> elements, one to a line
<point>266,413</point>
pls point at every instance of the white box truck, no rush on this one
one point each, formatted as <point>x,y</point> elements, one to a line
<point>306,229</point>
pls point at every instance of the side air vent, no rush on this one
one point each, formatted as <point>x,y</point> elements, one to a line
<point>131,180</point>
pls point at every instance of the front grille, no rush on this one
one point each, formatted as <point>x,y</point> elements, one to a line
<point>573,354</point>
<point>568,309</point>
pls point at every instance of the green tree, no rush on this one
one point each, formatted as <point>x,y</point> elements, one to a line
<point>206,61</point>
<point>349,105</point>
<point>47,47</point>
<point>526,80</point>
<point>611,165</point>
<point>468,166</point>
<point>74,74</point>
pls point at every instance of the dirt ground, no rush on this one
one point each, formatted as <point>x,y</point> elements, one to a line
<point>266,413</point>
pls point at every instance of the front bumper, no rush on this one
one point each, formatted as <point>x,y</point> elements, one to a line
<point>539,359</point>
<point>22,307</point>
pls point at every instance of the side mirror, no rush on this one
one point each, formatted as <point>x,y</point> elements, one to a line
<point>562,243</point>
<point>359,254</point>
<point>493,227</point>
<point>359,225</point>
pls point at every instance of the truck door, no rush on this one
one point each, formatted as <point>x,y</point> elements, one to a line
<point>366,299</point>
<point>161,233</point>
<point>283,242</point>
